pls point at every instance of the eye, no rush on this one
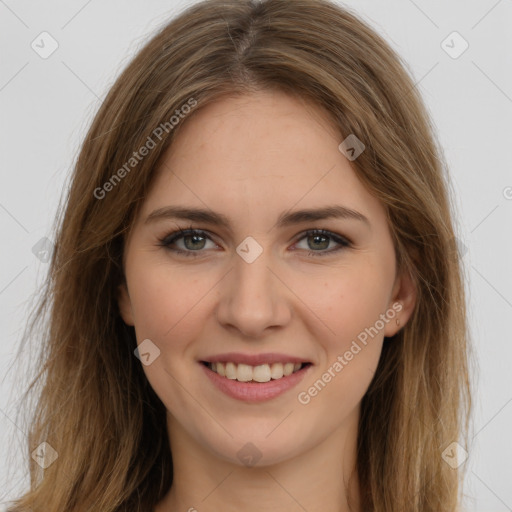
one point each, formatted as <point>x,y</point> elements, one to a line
<point>195,240</point>
<point>321,239</point>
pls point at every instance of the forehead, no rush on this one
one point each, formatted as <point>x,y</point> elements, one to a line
<point>258,151</point>
<point>268,128</point>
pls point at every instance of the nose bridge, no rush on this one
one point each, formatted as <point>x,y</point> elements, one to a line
<point>252,297</point>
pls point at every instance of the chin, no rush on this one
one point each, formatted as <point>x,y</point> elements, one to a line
<point>254,445</point>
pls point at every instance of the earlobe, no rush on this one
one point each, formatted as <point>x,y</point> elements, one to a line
<point>124,303</point>
<point>402,304</point>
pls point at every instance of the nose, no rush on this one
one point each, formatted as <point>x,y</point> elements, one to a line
<point>253,298</point>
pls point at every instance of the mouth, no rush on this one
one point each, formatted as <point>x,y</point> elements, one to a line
<point>255,377</point>
<point>257,374</point>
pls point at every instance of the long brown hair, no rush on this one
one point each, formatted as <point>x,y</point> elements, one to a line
<point>95,407</point>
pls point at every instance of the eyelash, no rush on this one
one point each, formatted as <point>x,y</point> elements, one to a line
<point>171,238</point>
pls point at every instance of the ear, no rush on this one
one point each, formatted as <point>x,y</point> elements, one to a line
<point>125,305</point>
<point>402,303</point>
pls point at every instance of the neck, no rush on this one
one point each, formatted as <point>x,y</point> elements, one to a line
<point>321,479</point>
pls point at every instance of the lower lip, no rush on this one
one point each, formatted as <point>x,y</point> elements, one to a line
<point>255,391</point>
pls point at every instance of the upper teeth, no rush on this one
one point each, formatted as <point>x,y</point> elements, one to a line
<point>260,373</point>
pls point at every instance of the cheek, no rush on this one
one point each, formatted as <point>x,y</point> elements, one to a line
<point>349,303</point>
<point>351,307</point>
<point>350,356</point>
<point>164,300</point>
<point>169,310</point>
<point>172,308</point>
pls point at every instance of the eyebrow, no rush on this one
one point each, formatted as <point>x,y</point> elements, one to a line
<point>206,216</point>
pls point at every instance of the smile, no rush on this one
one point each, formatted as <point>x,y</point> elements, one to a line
<point>260,373</point>
<point>255,383</point>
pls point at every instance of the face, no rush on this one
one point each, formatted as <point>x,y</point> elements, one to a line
<point>258,288</point>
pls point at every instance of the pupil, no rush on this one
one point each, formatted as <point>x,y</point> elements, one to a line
<point>316,237</point>
<point>196,238</point>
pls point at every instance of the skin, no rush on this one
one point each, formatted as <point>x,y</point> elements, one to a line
<point>251,158</point>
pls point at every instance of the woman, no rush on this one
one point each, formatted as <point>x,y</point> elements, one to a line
<point>256,297</point>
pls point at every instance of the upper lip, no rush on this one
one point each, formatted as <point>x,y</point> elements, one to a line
<point>253,359</point>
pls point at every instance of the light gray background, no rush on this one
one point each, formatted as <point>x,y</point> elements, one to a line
<point>47,104</point>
